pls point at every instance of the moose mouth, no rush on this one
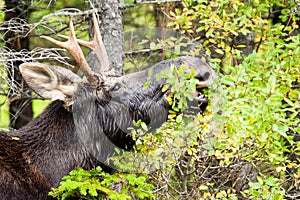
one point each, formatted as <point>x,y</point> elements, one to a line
<point>200,101</point>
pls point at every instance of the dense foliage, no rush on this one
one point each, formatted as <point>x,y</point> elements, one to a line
<point>244,146</point>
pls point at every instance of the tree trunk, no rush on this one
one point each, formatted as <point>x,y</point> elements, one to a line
<point>161,10</point>
<point>111,27</point>
<point>20,109</point>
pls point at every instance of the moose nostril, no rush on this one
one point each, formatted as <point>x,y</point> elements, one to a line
<point>203,77</point>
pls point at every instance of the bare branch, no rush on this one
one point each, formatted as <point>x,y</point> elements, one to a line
<point>37,54</point>
<point>140,2</point>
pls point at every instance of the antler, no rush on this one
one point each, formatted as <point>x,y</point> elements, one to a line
<point>74,49</point>
<point>96,45</point>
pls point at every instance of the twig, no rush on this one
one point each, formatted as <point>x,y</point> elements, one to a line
<point>142,51</point>
<point>37,54</point>
<point>124,6</point>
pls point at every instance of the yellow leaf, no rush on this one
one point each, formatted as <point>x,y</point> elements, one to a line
<point>260,180</point>
<point>291,165</point>
<point>280,169</point>
<point>190,31</point>
<point>212,41</point>
<point>206,194</point>
<point>266,27</point>
<point>297,175</point>
<point>221,194</point>
<point>169,99</point>
<point>218,154</point>
<point>190,152</point>
<point>295,25</point>
<point>203,187</point>
<point>172,14</point>
<point>165,87</point>
<point>171,116</point>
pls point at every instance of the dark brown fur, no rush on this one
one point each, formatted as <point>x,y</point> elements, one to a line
<point>34,158</point>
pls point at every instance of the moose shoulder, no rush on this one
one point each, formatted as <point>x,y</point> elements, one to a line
<point>86,120</point>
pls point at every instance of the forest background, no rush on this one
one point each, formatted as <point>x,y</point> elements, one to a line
<point>245,146</point>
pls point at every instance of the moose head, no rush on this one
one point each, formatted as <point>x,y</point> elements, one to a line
<point>107,102</point>
<point>87,119</point>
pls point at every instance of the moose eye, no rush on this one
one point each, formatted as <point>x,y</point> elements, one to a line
<point>116,88</point>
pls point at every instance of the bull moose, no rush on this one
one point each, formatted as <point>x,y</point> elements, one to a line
<point>35,158</point>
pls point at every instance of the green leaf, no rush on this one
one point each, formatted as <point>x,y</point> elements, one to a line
<point>219,51</point>
<point>144,126</point>
<point>147,83</point>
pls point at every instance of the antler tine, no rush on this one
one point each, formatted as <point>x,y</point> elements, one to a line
<point>74,49</point>
<point>97,45</point>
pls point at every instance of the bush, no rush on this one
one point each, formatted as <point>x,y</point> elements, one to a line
<point>243,146</point>
<point>96,184</point>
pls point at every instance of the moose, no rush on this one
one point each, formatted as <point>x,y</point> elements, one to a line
<point>86,119</point>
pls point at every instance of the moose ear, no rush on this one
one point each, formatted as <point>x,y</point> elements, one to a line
<point>50,82</point>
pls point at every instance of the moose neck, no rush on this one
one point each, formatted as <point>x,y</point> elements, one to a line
<point>50,144</point>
